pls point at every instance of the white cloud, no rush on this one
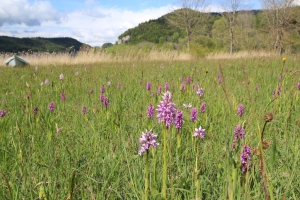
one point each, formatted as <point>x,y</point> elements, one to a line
<point>94,27</point>
<point>297,2</point>
<point>22,12</point>
<point>213,8</point>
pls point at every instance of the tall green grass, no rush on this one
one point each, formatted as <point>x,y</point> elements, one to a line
<point>94,156</point>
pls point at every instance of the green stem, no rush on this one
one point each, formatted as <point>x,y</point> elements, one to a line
<point>147,176</point>
<point>196,172</point>
<point>164,186</point>
<point>234,180</point>
<point>262,132</point>
<point>178,139</point>
<point>261,162</point>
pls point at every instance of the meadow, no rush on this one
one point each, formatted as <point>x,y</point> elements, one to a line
<point>72,131</point>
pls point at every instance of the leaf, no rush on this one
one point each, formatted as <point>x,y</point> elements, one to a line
<point>273,152</point>
<point>42,194</point>
<point>154,191</point>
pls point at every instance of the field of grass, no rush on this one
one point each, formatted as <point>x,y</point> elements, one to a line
<point>51,148</point>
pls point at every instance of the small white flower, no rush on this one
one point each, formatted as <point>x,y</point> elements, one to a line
<point>167,96</point>
<point>199,132</point>
<point>200,92</point>
<point>187,105</point>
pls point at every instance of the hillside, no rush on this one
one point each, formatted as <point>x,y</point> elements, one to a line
<point>252,30</point>
<point>160,31</point>
<point>38,44</point>
<point>156,31</point>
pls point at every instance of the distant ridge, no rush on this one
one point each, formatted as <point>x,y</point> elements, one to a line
<point>253,30</point>
<point>39,44</point>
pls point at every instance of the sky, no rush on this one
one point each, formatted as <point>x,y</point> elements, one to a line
<point>93,22</point>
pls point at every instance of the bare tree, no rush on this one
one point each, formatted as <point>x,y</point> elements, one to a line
<point>279,14</point>
<point>188,17</point>
<point>230,13</point>
<point>246,36</point>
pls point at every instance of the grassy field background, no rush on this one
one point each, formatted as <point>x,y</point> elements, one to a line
<point>65,154</point>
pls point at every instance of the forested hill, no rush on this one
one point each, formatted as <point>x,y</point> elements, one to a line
<point>251,30</point>
<point>38,44</point>
<point>159,30</point>
<point>155,31</point>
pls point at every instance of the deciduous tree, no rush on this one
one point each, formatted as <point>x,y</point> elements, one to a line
<point>230,13</point>
<point>188,17</point>
<point>279,15</point>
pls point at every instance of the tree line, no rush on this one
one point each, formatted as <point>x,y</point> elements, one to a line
<point>274,28</point>
<point>38,44</point>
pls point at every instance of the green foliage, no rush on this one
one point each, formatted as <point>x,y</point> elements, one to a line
<point>250,33</point>
<point>162,39</point>
<point>127,50</point>
<point>206,42</point>
<point>38,44</point>
<point>151,31</point>
<point>175,37</point>
<point>106,45</point>
<point>67,155</point>
<point>197,50</point>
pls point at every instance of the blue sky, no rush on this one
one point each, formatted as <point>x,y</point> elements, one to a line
<point>93,22</point>
<point>133,5</point>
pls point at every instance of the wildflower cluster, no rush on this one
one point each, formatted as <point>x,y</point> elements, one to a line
<point>159,90</point>
<point>194,114</point>
<point>182,88</point>
<point>83,110</point>
<point>104,100</point>
<point>148,86</point>
<point>2,113</point>
<point>246,159</point>
<point>202,107</point>
<point>167,86</point>
<point>188,80</point>
<point>179,119</point>
<point>150,111</point>
<point>63,97</point>
<point>52,106</point>
<point>147,140</point>
<point>166,110</point>
<point>102,89</point>
<point>239,132</point>
<point>219,78</point>
<point>35,110</point>
<point>241,110</point>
